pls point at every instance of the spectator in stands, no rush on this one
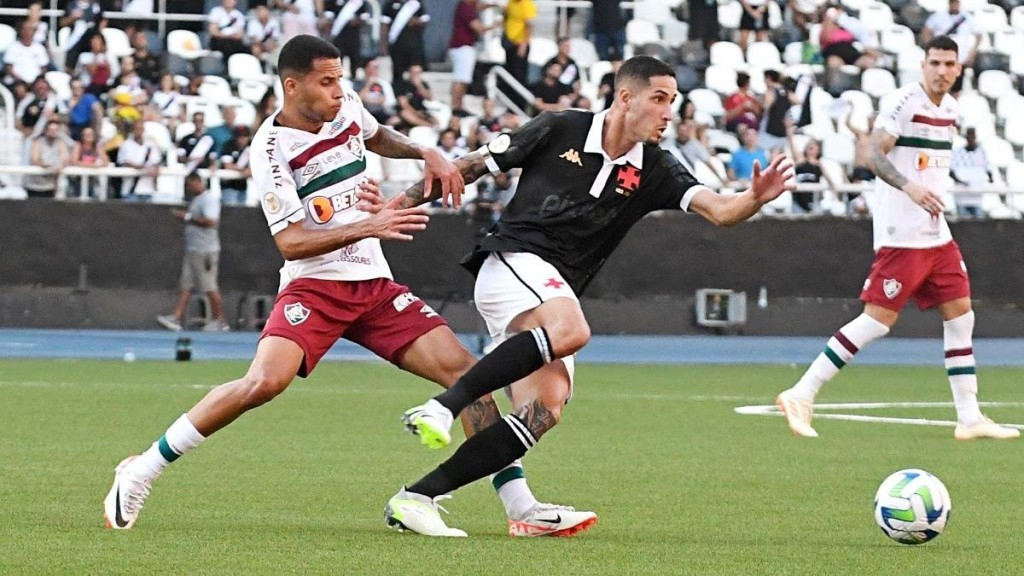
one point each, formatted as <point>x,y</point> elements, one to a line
<point>485,208</point>
<point>123,111</point>
<point>754,19</point>
<point>971,168</point>
<point>606,88</point>
<point>87,153</point>
<point>24,59</point>
<point>466,31</point>
<point>704,25</point>
<point>742,108</point>
<point>778,99</point>
<point>129,82</point>
<point>839,33</point>
<point>805,12</point>
<point>37,108</point>
<point>489,119</point>
<point>40,27</point>
<point>962,28</point>
<point>299,17</point>
<point>518,27</point>
<point>550,95</point>
<point>227,29</point>
<point>570,69</point>
<point>609,29</point>
<point>85,17</point>
<point>167,105</point>
<point>448,144</point>
<point>347,22</point>
<point>48,151</point>
<point>235,156</point>
<point>147,64</point>
<point>741,167</point>
<point>377,94</point>
<point>412,92</point>
<point>263,32</point>
<point>808,170</point>
<point>84,110</point>
<point>97,68</point>
<point>404,22</point>
<point>225,132</point>
<point>139,153</point>
<point>196,150</point>
<point>266,107</point>
<point>202,256</point>
<point>690,151</point>
<point>687,109</point>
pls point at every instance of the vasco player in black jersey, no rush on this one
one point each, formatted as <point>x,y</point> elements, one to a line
<point>586,179</point>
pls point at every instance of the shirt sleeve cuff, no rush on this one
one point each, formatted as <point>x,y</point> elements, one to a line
<point>492,165</point>
<point>684,204</point>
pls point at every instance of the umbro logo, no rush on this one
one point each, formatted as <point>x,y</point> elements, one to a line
<point>572,156</point>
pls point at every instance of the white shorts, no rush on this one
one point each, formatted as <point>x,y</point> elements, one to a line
<point>510,283</point>
<point>463,63</point>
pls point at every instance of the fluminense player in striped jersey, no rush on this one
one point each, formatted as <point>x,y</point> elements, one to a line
<point>308,160</point>
<point>915,254</point>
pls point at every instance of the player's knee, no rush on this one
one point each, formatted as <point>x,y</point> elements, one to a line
<point>262,387</point>
<point>569,337</point>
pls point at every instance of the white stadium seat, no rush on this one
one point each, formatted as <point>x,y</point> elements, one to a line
<point>583,52</point>
<point>186,44</point>
<point>726,54</point>
<point>1008,41</point>
<point>896,39</point>
<point>991,18</point>
<point>117,42</point>
<point>999,151</point>
<point>655,11</point>
<point>246,67</point>
<point>542,50</point>
<point>763,55</point>
<point>994,83</point>
<point>705,100</point>
<point>640,32</point>
<point>729,14</point>
<point>721,79</point>
<point>1017,18</point>
<point>839,147</point>
<point>8,36</point>
<point>877,82</point>
<point>1014,132</point>
<point>876,16</point>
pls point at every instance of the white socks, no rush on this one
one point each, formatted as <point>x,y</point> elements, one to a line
<point>511,486</point>
<point>839,351</point>
<point>181,437</point>
<point>957,342</point>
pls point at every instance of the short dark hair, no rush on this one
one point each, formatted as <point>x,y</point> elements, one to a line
<point>742,79</point>
<point>299,53</point>
<point>641,69</point>
<point>942,42</point>
<point>193,176</point>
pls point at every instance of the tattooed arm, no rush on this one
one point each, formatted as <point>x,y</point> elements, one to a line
<point>882,142</point>
<point>391,144</point>
<point>472,166</point>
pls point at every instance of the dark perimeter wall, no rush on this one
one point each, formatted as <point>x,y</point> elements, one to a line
<point>131,247</point>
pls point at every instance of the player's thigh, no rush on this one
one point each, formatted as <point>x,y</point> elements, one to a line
<point>510,287</point>
<point>948,280</point>
<point>277,360</point>
<point>395,319</point>
<point>438,356</point>
<point>313,314</point>
<point>896,275</point>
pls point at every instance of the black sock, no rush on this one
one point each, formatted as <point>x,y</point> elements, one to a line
<point>515,358</point>
<point>482,454</point>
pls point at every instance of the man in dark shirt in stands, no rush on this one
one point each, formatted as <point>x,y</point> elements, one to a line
<point>586,179</point>
<point>550,95</point>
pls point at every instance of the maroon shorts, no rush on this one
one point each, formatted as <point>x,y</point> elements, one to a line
<point>931,276</point>
<point>380,315</point>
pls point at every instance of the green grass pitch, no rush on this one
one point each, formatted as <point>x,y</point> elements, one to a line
<point>681,483</point>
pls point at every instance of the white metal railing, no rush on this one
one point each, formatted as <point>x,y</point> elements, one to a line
<point>169,192</point>
<point>495,94</point>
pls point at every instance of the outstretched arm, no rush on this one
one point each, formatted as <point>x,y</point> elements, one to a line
<point>765,186</point>
<point>392,144</point>
<point>471,166</point>
<point>881,143</point>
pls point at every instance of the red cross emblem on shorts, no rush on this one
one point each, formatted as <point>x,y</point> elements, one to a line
<point>628,179</point>
<point>554,283</point>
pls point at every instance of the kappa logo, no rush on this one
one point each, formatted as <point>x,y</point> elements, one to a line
<point>296,313</point>
<point>572,156</point>
<point>891,287</point>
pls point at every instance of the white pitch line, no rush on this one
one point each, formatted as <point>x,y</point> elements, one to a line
<point>772,410</point>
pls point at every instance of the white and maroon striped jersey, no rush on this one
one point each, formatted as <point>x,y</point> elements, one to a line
<point>313,179</point>
<point>923,154</point>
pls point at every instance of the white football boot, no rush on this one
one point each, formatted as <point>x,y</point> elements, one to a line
<point>408,511</point>
<point>124,502</point>
<point>985,428</point>
<point>551,520</point>
<point>798,413</point>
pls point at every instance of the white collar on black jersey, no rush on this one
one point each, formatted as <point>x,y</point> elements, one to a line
<point>594,145</point>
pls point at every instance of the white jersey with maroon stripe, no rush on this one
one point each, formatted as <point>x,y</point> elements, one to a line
<point>313,179</point>
<point>923,154</point>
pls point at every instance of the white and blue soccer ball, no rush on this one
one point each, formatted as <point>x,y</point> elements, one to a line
<point>912,506</point>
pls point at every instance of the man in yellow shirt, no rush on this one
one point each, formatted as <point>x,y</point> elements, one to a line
<point>519,17</point>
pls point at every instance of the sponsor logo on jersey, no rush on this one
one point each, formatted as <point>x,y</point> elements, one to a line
<point>295,313</point>
<point>925,161</point>
<point>402,301</point>
<point>891,287</point>
<point>322,208</point>
<point>271,202</point>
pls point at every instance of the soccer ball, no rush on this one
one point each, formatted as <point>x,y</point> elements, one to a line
<point>912,506</point>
